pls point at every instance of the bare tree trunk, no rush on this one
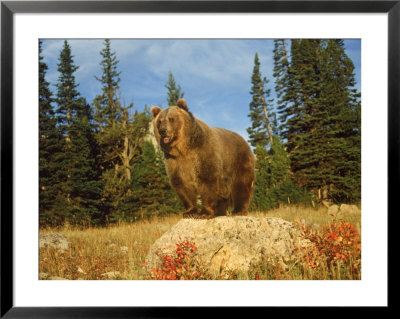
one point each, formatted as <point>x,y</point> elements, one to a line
<point>128,150</point>
<point>126,158</point>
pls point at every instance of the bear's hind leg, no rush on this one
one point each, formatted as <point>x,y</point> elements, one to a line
<point>222,207</point>
<point>209,201</point>
<point>241,197</point>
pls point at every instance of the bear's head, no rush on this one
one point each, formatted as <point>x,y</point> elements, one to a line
<point>169,124</point>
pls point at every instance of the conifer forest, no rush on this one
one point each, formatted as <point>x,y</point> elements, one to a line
<point>98,164</point>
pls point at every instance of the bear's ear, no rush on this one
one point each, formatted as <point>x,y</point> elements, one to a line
<point>182,104</point>
<point>155,110</point>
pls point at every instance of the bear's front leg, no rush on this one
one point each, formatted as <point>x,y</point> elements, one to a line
<point>188,198</point>
<point>209,200</point>
<point>187,193</point>
<point>191,213</point>
<point>189,201</point>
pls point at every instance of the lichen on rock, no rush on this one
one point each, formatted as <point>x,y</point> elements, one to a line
<point>231,244</point>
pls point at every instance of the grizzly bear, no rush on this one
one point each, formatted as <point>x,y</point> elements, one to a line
<point>214,163</point>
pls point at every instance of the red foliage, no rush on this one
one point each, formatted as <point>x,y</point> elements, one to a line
<point>333,243</point>
<point>177,266</point>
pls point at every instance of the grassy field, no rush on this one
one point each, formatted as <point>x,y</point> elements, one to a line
<point>119,251</point>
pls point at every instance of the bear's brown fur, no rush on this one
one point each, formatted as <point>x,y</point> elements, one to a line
<point>214,163</point>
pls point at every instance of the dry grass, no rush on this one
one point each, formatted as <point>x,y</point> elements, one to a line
<point>120,250</point>
<point>96,251</point>
<point>310,216</point>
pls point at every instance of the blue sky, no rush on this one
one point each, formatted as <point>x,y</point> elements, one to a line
<point>215,75</point>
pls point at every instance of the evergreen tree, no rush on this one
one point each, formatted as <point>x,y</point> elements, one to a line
<point>174,92</point>
<point>118,133</point>
<point>83,181</point>
<point>114,121</point>
<point>260,114</point>
<point>273,165</point>
<point>284,189</point>
<point>281,74</point>
<point>341,170</point>
<point>106,103</point>
<point>320,115</point>
<point>79,191</point>
<point>67,95</point>
<point>108,110</point>
<point>151,193</point>
<point>274,185</point>
<point>262,199</point>
<point>301,114</point>
<point>129,134</point>
<point>48,145</point>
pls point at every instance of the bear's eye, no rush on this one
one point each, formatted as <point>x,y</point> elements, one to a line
<point>171,119</point>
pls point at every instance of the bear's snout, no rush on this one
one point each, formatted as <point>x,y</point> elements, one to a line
<point>162,131</point>
<point>165,138</point>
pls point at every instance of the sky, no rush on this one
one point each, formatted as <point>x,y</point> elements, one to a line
<point>214,74</point>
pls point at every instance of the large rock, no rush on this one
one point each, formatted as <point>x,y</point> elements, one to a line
<point>349,209</point>
<point>54,240</point>
<point>226,244</point>
<point>343,210</point>
<point>333,210</point>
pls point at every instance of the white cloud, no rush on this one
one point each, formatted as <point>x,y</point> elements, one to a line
<point>199,63</point>
<point>222,62</point>
<point>214,74</point>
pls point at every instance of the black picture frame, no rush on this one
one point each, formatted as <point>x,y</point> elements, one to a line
<point>9,8</point>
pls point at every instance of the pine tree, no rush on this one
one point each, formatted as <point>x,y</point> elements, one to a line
<point>108,110</point>
<point>151,193</point>
<point>260,111</point>
<point>281,74</point>
<point>303,138</point>
<point>174,92</point>
<point>284,189</point>
<point>262,199</point>
<point>114,121</point>
<point>79,191</point>
<point>67,95</point>
<point>341,125</point>
<point>274,185</point>
<point>320,114</point>
<point>106,103</point>
<point>48,145</point>
<point>129,134</point>
<point>272,165</point>
<point>83,180</point>
<point>118,133</point>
